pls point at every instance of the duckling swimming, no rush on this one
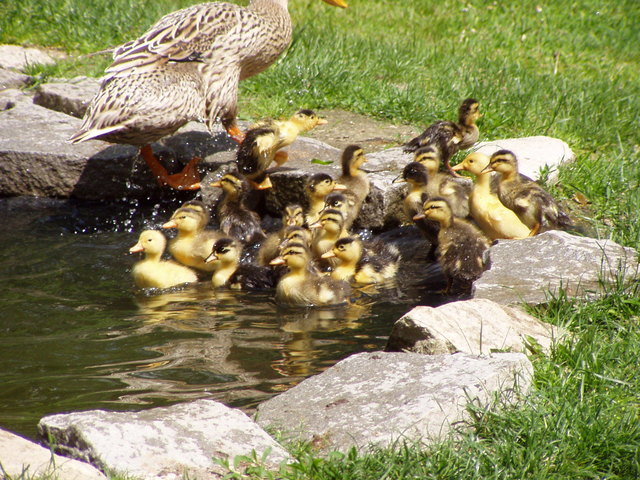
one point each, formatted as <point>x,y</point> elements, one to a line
<point>317,188</point>
<point>293,216</point>
<point>355,180</point>
<point>153,272</point>
<point>461,246</point>
<point>228,272</point>
<point>533,205</point>
<point>495,220</point>
<point>301,286</point>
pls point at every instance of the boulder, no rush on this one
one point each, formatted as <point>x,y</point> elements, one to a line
<point>19,456</point>
<point>71,97</point>
<point>18,58</point>
<point>161,443</point>
<point>380,398</point>
<point>11,79</point>
<point>526,271</point>
<point>476,327</point>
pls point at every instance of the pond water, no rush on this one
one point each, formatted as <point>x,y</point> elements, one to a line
<point>74,335</point>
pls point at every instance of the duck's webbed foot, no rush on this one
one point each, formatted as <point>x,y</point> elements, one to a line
<point>187,179</point>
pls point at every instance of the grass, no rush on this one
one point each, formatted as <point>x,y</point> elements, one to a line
<point>567,69</point>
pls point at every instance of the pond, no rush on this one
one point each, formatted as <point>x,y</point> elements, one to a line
<point>75,335</point>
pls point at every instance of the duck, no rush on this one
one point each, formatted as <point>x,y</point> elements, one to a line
<point>462,246</point>
<point>263,143</point>
<point>293,216</point>
<point>228,272</point>
<point>235,218</point>
<point>317,187</point>
<point>374,262</point>
<point>355,180</point>
<point>152,271</point>
<point>302,286</point>
<point>443,184</point>
<point>187,66</point>
<point>329,229</point>
<point>450,137</point>
<point>533,205</point>
<point>193,243</point>
<point>493,218</point>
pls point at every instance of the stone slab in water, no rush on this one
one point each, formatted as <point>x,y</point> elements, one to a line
<point>525,271</point>
<point>161,443</point>
<point>379,398</point>
<point>71,97</point>
<point>19,456</point>
<point>476,327</point>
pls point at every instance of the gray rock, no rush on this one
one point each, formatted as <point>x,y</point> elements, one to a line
<point>475,327</point>
<point>161,443</point>
<point>17,57</point>
<point>11,79</point>
<point>525,271</point>
<point>10,97</point>
<point>19,456</point>
<point>379,398</point>
<point>71,97</point>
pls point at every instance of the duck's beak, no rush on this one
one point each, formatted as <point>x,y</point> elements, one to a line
<point>277,261</point>
<point>488,168</point>
<point>339,187</point>
<point>398,179</point>
<point>211,258</point>
<point>328,254</point>
<point>315,226</point>
<point>322,121</point>
<point>217,184</point>
<point>136,248</point>
<point>263,185</point>
<point>170,224</point>
<point>337,3</point>
<point>419,216</point>
<point>458,168</point>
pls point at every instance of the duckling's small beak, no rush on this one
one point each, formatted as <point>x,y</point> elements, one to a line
<point>211,258</point>
<point>217,184</point>
<point>419,216</point>
<point>339,187</point>
<point>337,3</point>
<point>136,248</point>
<point>457,168</point>
<point>277,261</point>
<point>263,185</point>
<point>487,168</point>
<point>328,254</point>
<point>398,179</point>
<point>170,224</point>
<point>322,121</point>
<point>315,226</point>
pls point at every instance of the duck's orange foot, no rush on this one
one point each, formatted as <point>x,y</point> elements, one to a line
<point>187,179</point>
<point>235,133</point>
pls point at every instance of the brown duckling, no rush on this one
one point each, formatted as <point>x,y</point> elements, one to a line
<point>462,246</point>
<point>373,262</point>
<point>338,201</point>
<point>495,220</point>
<point>263,142</point>
<point>330,228</point>
<point>193,243</point>
<point>302,286</point>
<point>533,205</point>
<point>153,272</point>
<point>443,184</point>
<point>293,215</point>
<point>235,218</point>
<point>317,188</point>
<point>355,180</point>
<point>228,272</point>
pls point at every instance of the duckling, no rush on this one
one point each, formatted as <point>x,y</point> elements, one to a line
<point>461,246</point>
<point>338,201</point>
<point>263,141</point>
<point>533,205</point>
<point>317,188</point>
<point>355,180</point>
<point>495,220</point>
<point>301,286</point>
<point>193,243</point>
<point>228,272</point>
<point>443,184</point>
<point>153,272</point>
<point>373,263</point>
<point>330,228</point>
<point>236,220</point>
<point>448,136</point>
<point>293,216</point>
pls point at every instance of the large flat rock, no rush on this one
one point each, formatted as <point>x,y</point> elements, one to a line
<point>71,97</point>
<point>379,398</point>
<point>161,443</point>
<point>18,57</point>
<point>527,270</point>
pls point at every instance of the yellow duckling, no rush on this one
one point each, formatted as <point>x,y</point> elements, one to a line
<point>443,184</point>
<point>330,228</point>
<point>373,263</point>
<point>193,243</point>
<point>495,220</point>
<point>355,180</point>
<point>153,272</point>
<point>264,140</point>
<point>293,216</point>
<point>461,246</point>
<point>228,272</point>
<point>302,286</point>
<point>317,187</point>
<point>235,218</point>
<point>533,205</point>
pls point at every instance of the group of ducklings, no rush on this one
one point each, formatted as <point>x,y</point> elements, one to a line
<point>313,259</point>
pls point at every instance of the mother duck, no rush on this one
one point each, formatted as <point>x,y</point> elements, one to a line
<point>186,67</point>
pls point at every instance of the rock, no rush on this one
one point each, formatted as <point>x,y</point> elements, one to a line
<point>533,153</point>
<point>476,327</point>
<point>10,97</point>
<point>524,271</point>
<point>161,443</point>
<point>19,456</point>
<point>71,97</point>
<point>379,398</point>
<point>18,58</point>
<point>11,79</point>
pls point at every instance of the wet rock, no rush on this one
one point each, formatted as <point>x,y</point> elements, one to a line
<point>17,57</point>
<point>524,271</point>
<point>11,79</point>
<point>475,327</point>
<point>379,398</point>
<point>19,456</point>
<point>71,97</point>
<point>161,443</point>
